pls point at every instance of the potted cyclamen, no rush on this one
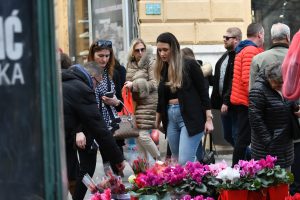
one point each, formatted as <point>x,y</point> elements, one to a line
<point>230,185</point>
<point>170,182</point>
<point>253,180</point>
<point>187,180</point>
<point>149,185</point>
<point>274,178</point>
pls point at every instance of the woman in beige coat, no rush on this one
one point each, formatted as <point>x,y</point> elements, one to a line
<point>140,80</point>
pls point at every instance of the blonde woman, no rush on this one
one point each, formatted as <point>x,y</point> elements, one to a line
<point>140,80</point>
<point>183,103</point>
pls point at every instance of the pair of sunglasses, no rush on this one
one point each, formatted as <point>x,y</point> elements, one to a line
<point>104,43</point>
<point>227,37</point>
<point>140,50</point>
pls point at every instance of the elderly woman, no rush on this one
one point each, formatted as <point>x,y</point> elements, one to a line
<point>269,116</point>
<point>140,80</point>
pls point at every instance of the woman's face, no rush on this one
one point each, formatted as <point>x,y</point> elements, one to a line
<point>102,57</point>
<point>138,51</point>
<point>164,51</point>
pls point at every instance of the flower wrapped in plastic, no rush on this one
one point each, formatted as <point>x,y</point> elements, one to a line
<point>106,195</point>
<point>140,165</point>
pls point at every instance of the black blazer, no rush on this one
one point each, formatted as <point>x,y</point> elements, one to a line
<point>192,96</point>
<point>216,99</point>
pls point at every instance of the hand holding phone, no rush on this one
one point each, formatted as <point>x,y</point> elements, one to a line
<point>109,94</point>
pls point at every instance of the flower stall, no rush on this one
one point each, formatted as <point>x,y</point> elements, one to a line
<point>252,180</point>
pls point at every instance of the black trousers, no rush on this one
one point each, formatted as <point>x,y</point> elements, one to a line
<point>243,135</point>
<point>87,159</point>
<point>295,187</point>
<point>106,159</point>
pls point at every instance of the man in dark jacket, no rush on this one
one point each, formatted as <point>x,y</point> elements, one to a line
<point>220,97</point>
<point>81,114</point>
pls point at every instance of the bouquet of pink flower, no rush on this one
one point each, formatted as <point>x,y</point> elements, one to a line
<point>149,182</point>
<point>113,182</point>
<point>199,197</point>
<point>106,195</point>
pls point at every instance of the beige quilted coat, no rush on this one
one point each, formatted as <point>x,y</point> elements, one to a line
<point>144,89</point>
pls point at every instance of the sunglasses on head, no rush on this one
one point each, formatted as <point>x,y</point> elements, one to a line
<point>139,50</point>
<point>228,37</point>
<point>104,43</point>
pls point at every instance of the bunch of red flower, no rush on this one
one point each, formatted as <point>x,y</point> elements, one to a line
<point>114,183</point>
<point>140,165</point>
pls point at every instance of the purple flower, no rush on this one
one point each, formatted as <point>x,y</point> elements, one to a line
<point>199,197</point>
<point>248,168</point>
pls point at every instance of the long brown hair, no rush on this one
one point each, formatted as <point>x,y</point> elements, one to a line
<point>175,70</point>
<point>95,47</point>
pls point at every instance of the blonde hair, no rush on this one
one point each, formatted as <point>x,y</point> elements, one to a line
<point>133,44</point>
<point>175,69</point>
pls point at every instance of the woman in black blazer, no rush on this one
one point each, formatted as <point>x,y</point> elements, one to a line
<point>183,101</point>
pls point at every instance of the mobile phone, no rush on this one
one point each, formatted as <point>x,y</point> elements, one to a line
<point>109,94</point>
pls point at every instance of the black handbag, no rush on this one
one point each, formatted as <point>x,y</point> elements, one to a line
<point>208,154</point>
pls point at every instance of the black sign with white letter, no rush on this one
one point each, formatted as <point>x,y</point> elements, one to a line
<point>21,144</point>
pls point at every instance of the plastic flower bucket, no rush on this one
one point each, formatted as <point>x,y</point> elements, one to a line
<point>278,192</point>
<point>257,195</point>
<point>233,194</point>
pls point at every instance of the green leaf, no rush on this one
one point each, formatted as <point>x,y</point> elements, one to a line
<point>213,182</point>
<point>201,189</point>
<point>270,173</point>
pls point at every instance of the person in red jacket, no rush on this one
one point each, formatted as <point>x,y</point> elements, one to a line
<point>239,97</point>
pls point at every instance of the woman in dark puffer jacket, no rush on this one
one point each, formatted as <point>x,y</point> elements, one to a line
<point>269,116</point>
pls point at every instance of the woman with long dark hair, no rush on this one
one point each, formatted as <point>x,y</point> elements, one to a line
<point>183,101</point>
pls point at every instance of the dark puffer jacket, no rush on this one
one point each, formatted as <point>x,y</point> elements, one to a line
<point>270,123</point>
<point>81,113</point>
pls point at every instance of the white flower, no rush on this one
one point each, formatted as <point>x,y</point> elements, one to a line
<point>229,174</point>
<point>131,179</point>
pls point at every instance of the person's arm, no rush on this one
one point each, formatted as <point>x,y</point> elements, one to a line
<point>257,103</point>
<point>199,81</point>
<point>86,109</point>
<point>229,74</point>
<point>254,69</point>
<point>118,90</point>
<point>150,83</point>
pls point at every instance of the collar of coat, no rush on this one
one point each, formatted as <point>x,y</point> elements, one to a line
<point>279,45</point>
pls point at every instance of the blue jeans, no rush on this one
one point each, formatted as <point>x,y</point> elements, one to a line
<point>183,146</point>
<point>230,126</point>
